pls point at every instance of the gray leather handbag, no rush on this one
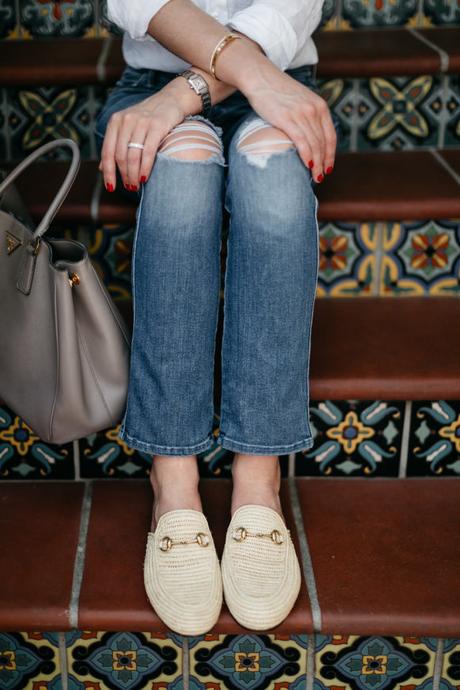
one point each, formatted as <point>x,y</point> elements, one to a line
<point>64,346</point>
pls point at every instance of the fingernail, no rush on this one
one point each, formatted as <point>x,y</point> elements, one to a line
<point>320,177</point>
<point>143,179</point>
<point>134,187</point>
<point>329,170</point>
<point>127,186</point>
<point>109,187</point>
<point>310,164</point>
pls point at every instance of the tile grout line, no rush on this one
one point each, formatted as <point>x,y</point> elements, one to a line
<point>435,153</point>
<point>96,198</point>
<point>444,116</point>
<point>102,59</point>
<point>379,252</point>
<point>443,56</point>
<point>438,662</point>
<point>185,663</point>
<point>311,662</point>
<point>405,437</point>
<point>63,661</point>
<point>305,555</point>
<point>354,129</point>
<point>76,459</point>
<point>80,555</point>
<point>291,464</point>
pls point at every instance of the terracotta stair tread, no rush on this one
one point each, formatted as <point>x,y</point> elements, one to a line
<point>39,528</point>
<point>384,185</point>
<point>130,505</point>
<point>382,554</point>
<point>407,348</point>
<point>361,52</point>
<point>385,348</point>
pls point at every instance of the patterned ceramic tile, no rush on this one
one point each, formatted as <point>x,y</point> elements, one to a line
<point>353,438</point>
<point>330,10</point>
<point>106,23</point>
<point>339,95</point>
<point>452,131</point>
<point>421,258</point>
<point>360,663</point>
<point>36,116</point>
<point>41,18</point>
<point>124,661</point>
<point>347,259</point>
<point>362,13</point>
<point>434,446</point>
<point>442,11</point>
<point>249,662</point>
<point>450,673</point>
<point>399,112</point>
<point>23,455</point>
<point>8,18</point>
<point>30,660</point>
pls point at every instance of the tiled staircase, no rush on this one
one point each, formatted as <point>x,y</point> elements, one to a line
<point>377,536</point>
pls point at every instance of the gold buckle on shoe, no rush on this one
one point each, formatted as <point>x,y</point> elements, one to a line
<point>167,542</point>
<point>241,533</point>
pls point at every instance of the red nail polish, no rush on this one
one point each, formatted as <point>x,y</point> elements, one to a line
<point>127,186</point>
<point>329,170</point>
<point>310,164</point>
<point>134,187</point>
<point>320,177</point>
<point>143,179</point>
<point>109,187</point>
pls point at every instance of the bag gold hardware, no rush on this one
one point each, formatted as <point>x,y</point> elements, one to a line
<point>74,279</point>
<point>12,242</point>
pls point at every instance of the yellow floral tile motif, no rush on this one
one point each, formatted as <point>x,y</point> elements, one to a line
<point>420,258</point>
<point>248,661</point>
<point>30,660</point>
<point>350,661</point>
<point>123,660</point>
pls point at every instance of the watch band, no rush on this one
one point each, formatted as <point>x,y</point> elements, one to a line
<point>199,84</point>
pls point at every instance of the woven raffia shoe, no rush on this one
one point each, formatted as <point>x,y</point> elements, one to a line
<point>260,570</point>
<point>182,575</point>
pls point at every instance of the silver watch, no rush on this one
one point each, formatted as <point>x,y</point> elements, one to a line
<point>199,84</point>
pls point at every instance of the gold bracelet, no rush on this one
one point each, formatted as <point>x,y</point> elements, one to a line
<point>218,49</point>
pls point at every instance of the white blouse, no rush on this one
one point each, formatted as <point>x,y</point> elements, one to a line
<point>282,28</point>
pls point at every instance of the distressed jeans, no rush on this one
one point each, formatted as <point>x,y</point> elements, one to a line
<point>270,285</point>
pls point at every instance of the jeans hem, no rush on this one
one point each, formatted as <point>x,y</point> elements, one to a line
<point>158,449</point>
<point>230,444</point>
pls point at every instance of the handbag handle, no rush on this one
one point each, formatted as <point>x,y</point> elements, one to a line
<point>65,186</point>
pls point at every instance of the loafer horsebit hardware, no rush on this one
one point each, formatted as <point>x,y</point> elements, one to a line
<point>167,543</point>
<point>241,533</point>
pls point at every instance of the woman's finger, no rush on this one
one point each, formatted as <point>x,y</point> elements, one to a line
<point>121,149</point>
<point>135,155</point>
<point>330,137</point>
<point>312,152</point>
<point>108,153</point>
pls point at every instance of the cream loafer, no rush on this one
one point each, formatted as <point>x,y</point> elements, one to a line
<point>182,575</point>
<point>260,571</point>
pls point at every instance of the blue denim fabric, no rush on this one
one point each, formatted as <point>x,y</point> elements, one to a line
<point>270,286</point>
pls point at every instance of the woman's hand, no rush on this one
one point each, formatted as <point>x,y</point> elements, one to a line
<point>299,112</point>
<point>147,122</point>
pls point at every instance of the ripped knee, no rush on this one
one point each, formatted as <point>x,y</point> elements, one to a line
<point>259,140</point>
<point>192,140</point>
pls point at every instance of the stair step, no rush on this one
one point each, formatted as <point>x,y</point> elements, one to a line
<point>384,185</point>
<point>378,557</point>
<point>369,348</point>
<point>373,52</point>
<point>362,53</point>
